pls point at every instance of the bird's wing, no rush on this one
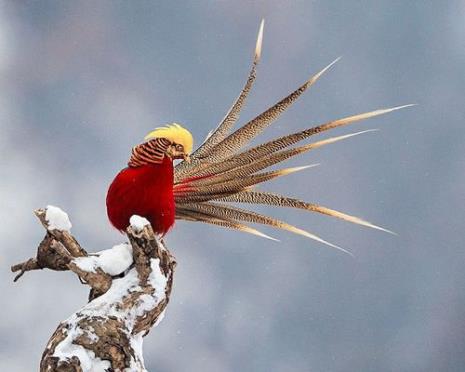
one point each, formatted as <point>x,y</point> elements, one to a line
<point>222,171</point>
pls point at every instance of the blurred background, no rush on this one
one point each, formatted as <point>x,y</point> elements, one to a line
<point>81,82</point>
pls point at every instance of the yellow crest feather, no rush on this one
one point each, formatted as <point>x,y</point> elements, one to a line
<point>174,133</point>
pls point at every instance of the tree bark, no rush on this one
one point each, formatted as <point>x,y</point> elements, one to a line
<point>106,333</point>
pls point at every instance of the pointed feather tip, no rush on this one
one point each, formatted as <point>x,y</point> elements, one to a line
<point>309,235</point>
<point>262,235</point>
<point>340,138</point>
<point>258,45</point>
<point>297,169</point>
<point>318,75</point>
<point>332,245</point>
<point>361,132</point>
<point>345,136</point>
<point>384,111</point>
<point>365,223</point>
<point>251,230</point>
<point>376,227</point>
<point>320,240</point>
<point>398,107</point>
<point>348,218</point>
<point>366,115</point>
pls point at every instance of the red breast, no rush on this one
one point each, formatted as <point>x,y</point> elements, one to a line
<point>146,191</point>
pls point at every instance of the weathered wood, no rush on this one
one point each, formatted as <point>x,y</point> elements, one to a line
<point>64,237</point>
<point>56,252</point>
<point>107,332</point>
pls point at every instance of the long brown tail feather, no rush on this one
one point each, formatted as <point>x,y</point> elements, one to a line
<point>224,174</point>
<point>228,224</point>
<point>267,198</point>
<point>220,211</point>
<point>237,185</point>
<point>232,115</point>
<point>248,131</point>
<point>226,124</point>
<point>209,167</point>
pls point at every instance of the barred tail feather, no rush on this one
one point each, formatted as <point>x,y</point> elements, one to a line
<point>231,117</point>
<point>250,130</point>
<point>233,113</point>
<point>228,224</point>
<point>226,171</point>
<point>257,197</point>
<point>219,211</point>
<point>223,171</point>
<point>237,185</point>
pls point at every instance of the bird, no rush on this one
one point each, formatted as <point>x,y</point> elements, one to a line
<point>208,183</point>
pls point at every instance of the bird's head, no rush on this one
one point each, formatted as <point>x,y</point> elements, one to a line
<point>180,138</point>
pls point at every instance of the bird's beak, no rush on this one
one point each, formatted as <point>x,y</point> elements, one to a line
<point>187,158</point>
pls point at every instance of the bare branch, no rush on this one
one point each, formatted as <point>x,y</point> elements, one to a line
<point>57,251</point>
<point>107,332</point>
<point>64,237</point>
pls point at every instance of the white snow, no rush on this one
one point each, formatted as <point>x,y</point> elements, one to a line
<point>156,279</point>
<point>146,303</point>
<point>109,305</point>
<point>113,261</point>
<point>117,259</point>
<point>88,264</point>
<point>138,223</point>
<point>66,350</point>
<point>57,219</point>
<point>90,334</point>
<point>136,344</point>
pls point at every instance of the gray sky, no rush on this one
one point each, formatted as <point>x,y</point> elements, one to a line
<point>82,82</point>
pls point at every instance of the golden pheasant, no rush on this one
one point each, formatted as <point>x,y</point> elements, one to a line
<point>221,170</point>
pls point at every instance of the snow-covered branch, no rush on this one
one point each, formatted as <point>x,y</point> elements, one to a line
<point>130,289</point>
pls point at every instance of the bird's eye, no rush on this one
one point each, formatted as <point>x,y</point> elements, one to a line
<point>179,148</point>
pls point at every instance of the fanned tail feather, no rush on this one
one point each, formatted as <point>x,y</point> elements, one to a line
<point>220,212</point>
<point>237,185</point>
<point>250,130</point>
<point>267,198</point>
<point>209,167</point>
<point>232,115</point>
<point>222,171</point>
<point>228,224</point>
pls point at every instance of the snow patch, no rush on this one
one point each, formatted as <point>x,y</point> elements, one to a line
<point>136,344</point>
<point>109,304</point>
<point>156,279</point>
<point>57,219</point>
<point>146,303</point>
<point>90,334</point>
<point>88,264</point>
<point>138,223</point>
<point>113,261</point>
<point>65,350</point>
<point>117,259</point>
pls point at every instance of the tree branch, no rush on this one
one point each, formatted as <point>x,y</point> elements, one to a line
<point>57,251</point>
<point>130,289</point>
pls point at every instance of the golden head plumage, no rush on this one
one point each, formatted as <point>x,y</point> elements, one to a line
<point>175,133</point>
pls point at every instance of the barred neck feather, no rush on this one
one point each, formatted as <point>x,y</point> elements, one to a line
<point>151,152</point>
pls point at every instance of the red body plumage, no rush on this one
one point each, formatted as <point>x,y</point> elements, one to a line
<point>146,191</point>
